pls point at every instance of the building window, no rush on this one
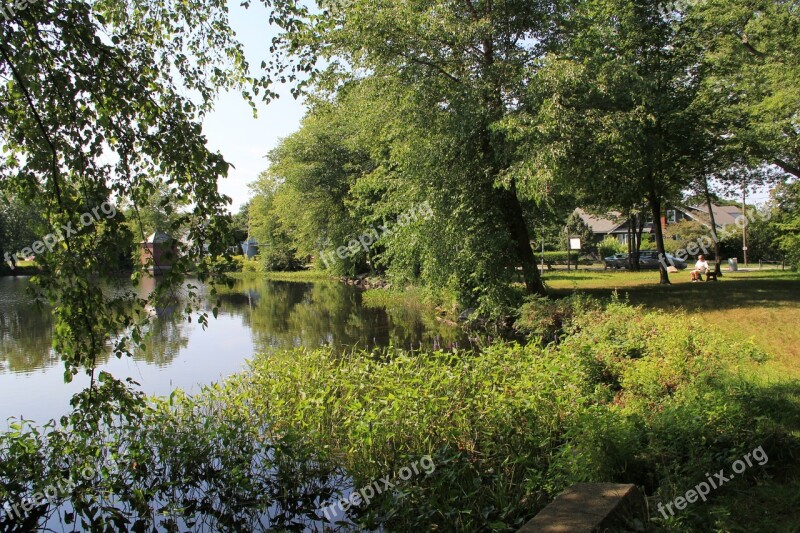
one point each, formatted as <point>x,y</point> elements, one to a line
<point>623,238</point>
<point>671,216</point>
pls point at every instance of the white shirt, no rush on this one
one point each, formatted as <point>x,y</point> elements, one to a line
<point>702,266</point>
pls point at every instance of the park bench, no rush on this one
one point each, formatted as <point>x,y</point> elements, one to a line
<point>711,274</point>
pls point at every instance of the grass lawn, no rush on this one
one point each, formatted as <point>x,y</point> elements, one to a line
<point>762,305</point>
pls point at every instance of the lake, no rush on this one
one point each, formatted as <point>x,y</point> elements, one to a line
<point>256,316</point>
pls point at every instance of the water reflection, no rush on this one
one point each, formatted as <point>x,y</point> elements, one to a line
<point>25,329</point>
<point>255,315</point>
<point>282,314</point>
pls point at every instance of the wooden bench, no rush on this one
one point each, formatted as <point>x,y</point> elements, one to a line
<point>591,507</point>
<point>711,274</point>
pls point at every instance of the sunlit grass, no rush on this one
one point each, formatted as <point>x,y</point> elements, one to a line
<point>761,305</point>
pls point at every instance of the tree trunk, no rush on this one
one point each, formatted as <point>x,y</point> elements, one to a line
<point>522,243</point>
<point>633,262</point>
<point>639,231</point>
<point>714,236</point>
<point>515,218</point>
<point>655,205</point>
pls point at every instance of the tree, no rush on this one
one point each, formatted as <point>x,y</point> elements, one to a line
<point>750,89</point>
<point>611,113</point>
<point>95,115</point>
<point>785,219</point>
<point>20,226</point>
<point>462,65</point>
<point>241,224</point>
<point>157,211</point>
<point>576,227</point>
<point>277,249</point>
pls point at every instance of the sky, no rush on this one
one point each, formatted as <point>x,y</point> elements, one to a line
<point>231,129</point>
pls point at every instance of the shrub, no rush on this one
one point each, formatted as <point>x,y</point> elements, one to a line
<point>252,266</point>
<point>610,246</point>
<point>547,319</point>
<point>624,396</point>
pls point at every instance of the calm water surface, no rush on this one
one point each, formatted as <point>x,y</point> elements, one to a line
<point>256,316</point>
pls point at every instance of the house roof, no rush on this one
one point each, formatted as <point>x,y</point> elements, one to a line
<point>724,215</point>
<point>602,224</point>
<point>159,237</point>
<point>614,222</point>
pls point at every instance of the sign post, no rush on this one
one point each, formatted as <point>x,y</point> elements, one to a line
<point>574,244</point>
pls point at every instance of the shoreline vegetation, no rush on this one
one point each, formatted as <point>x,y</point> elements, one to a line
<point>602,391</point>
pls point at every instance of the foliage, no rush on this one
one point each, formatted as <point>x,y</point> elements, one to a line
<point>624,395</point>
<point>576,227</point>
<point>680,235</point>
<point>610,246</point>
<point>20,226</point>
<point>179,463</point>
<point>95,114</point>
<point>785,221</point>
<point>611,112</point>
<point>751,90</point>
<point>432,96</point>
<point>549,319</point>
<point>157,210</point>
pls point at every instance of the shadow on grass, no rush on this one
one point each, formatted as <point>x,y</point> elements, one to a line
<point>756,291</point>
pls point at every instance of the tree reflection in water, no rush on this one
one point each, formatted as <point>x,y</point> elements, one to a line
<point>275,314</point>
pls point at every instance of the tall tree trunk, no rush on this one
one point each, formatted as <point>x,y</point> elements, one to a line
<point>639,231</point>
<point>714,236</point>
<point>522,242</point>
<point>655,206</point>
<point>633,262</point>
<point>515,217</point>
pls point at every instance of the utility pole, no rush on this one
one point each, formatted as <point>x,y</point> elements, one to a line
<point>542,248</point>
<point>744,224</point>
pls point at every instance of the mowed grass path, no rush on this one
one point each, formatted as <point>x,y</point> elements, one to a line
<point>762,305</point>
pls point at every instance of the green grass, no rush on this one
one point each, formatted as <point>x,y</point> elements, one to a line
<point>760,305</point>
<point>301,276</point>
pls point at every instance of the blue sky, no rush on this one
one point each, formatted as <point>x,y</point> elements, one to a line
<point>231,128</point>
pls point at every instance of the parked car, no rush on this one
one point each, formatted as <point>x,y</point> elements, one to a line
<point>616,261</point>
<point>647,259</point>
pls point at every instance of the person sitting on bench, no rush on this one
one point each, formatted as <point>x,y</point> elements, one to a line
<point>700,269</point>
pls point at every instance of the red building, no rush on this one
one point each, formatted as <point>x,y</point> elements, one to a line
<point>158,252</point>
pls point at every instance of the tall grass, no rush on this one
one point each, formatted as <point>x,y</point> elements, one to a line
<point>621,395</point>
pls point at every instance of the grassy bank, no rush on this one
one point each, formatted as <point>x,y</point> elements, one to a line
<point>652,397</point>
<point>300,276</point>
<point>762,306</point>
<point>628,396</point>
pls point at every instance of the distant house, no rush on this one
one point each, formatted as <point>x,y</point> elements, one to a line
<point>158,252</point>
<point>614,224</point>
<point>250,248</point>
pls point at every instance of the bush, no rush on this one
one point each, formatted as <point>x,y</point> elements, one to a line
<point>547,319</point>
<point>252,266</point>
<point>648,243</point>
<point>624,396</point>
<point>610,246</point>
